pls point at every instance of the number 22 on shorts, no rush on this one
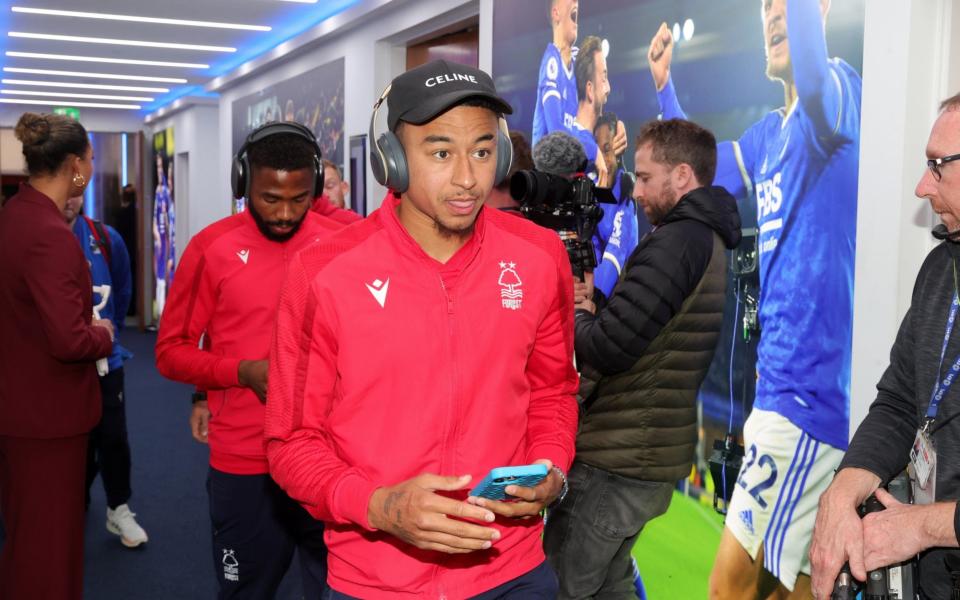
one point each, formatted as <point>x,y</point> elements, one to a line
<point>761,463</point>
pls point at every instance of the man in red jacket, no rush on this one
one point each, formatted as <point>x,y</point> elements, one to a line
<point>226,292</point>
<point>335,188</point>
<point>419,349</point>
<point>324,207</point>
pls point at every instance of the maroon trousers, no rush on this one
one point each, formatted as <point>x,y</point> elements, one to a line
<point>41,503</point>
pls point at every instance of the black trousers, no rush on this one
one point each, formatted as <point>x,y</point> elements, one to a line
<point>109,451</point>
<point>589,536</point>
<point>537,584</point>
<point>256,528</point>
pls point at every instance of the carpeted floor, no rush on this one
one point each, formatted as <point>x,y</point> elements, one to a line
<point>169,498</point>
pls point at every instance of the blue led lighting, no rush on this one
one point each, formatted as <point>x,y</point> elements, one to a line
<point>123,159</point>
<point>295,24</point>
<point>89,197</point>
<point>4,26</point>
<point>177,93</point>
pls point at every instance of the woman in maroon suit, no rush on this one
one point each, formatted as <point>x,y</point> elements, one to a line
<point>49,394</point>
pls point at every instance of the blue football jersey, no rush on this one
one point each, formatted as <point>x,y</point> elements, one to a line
<point>590,148</point>
<point>806,190</point>
<point>586,139</point>
<point>617,235</point>
<point>114,273</point>
<point>556,95</point>
<point>161,220</point>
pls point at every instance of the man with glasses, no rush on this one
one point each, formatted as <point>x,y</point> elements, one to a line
<point>915,407</point>
<point>936,165</point>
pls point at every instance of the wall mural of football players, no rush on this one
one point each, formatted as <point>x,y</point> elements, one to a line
<point>556,105</point>
<point>164,219</point>
<point>801,162</point>
<point>781,79</point>
<point>314,99</point>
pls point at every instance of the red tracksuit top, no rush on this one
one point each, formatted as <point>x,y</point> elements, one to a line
<point>226,289</point>
<point>323,206</point>
<point>387,364</point>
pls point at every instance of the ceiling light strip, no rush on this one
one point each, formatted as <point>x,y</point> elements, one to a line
<point>118,42</point>
<point>69,103</point>
<point>137,19</point>
<point>101,59</point>
<point>86,86</point>
<point>95,75</point>
<point>74,95</point>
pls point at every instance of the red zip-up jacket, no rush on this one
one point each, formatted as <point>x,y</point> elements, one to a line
<point>323,206</point>
<point>226,289</point>
<point>387,364</point>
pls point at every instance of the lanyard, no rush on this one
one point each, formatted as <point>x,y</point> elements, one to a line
<point>942,386</point>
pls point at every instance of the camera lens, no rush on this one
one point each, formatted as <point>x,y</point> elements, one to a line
<point>523,186</point>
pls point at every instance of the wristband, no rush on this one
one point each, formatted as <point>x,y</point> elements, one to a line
<point>564,489</point>
<point>198,396</point>
<point>956,521</point>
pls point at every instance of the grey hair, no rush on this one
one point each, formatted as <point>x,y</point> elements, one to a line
<point>951,103</point>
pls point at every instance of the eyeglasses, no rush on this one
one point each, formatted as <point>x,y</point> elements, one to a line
<point>935,164</point>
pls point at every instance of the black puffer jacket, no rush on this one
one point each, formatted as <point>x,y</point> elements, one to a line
<point>645,354</point>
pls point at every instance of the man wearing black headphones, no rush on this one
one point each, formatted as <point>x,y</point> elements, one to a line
<point>226,292</point>
<point>421,348</point>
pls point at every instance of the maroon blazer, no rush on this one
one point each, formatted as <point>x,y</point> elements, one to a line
<point>48,348</point>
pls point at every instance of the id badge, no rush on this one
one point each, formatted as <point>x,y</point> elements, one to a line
<point>923,460</point>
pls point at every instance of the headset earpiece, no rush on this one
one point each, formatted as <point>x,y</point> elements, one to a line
<point>387,159</point>
<point>504,152</point>
<point>238,174</point>
<point>397,176</point>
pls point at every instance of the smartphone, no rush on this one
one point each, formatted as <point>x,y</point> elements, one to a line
<point>493,485</point>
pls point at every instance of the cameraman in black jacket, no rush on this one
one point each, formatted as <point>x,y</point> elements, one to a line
<point>642,358</point>
<point>881,447</point>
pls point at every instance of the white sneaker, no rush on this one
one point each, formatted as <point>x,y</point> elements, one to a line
<point>121,522</point>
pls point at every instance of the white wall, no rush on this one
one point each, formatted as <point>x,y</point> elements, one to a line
<point>196,132</point>
<point>100,120</point>
<point>373,55</point>
<point>12,161</point>
<point>486,36</point>
<point>907,71</point>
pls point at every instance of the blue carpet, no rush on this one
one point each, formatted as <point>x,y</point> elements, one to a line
<point>169,498</point>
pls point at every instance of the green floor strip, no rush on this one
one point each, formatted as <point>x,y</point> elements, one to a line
<point>675,551</point>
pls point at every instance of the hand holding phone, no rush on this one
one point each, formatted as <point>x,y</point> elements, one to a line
<point>493,486</point>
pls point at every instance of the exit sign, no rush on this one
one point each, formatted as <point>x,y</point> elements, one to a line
<point>68,111</point>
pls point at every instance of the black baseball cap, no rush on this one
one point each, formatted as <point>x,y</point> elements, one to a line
<point>421,94</point>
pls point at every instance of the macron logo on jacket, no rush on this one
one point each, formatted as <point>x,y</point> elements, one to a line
<point>244,255</point>
<point>379,290</point>
<point>336,368</point>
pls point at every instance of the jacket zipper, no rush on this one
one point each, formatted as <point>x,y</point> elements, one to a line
<point>451,430</point>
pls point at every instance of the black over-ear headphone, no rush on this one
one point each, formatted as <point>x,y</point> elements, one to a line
<point>240,171</point>
<point>389,163</point>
